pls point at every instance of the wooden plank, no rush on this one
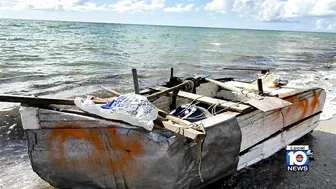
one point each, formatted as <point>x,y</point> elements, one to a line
<point>276,143</point>
<point>228,87</point>
<point>257,125</point>
<point>174,119</point>
<point>239,84</point>
<point>167,90</point>
<point>231,96</point>
<point>262,103</point>
<point>267,104</point>
<point>135,81</point>
<point>263,70</point>
<point>260,87</point>
<point>30,100</point>
<point>50,115</point>
<point>221,103</point>
<point>35,100</point>
<point>184,131</point>
<point>208,100</point>
<point>111,91</point>
<point>285,92</point>
<point>56,119</point>
<point>281,92</point>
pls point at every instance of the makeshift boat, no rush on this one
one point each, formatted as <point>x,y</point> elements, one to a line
<point>247,123</point>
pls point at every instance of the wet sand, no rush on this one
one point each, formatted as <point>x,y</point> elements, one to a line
<point>271,173</point>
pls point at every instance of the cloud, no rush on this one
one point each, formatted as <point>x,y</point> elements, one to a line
<point>137,5</point>
<point>212,16</point>
<point>274,10</point>
<point>323,24</point>
<point>73,5</point>
<point>179,8</point>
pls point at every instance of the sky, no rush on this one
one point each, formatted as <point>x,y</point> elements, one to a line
<point>297,15</point>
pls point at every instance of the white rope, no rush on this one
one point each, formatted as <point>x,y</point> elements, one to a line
<point>236,104</point>
<point>282,129</point>
<point>199,169</point>
<point>189,105</point>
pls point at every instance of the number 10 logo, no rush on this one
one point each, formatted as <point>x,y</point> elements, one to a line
<point>297,158</point>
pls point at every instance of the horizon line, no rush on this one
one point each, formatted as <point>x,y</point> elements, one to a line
<point>166,25</point>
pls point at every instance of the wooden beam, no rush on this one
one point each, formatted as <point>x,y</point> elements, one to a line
<point>135,80</point>
<point>260,87</point>
<point>208,100</point>
<point>173,118</point>
<point>228,87</point>
<point>265,104</point>
<point>167,90</point>
<point>263,70</point>
<point>111,91</point>
<point>34,100</point>
<point>184,131</point>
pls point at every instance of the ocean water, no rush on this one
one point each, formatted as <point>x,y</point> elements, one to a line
<point>64,59</point>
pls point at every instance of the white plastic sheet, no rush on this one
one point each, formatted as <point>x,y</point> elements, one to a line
<point>130,108</point>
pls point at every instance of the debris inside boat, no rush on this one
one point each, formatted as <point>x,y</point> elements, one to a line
<point>186,133</point>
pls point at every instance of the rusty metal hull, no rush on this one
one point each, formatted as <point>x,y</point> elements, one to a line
<point>77,151</point>
<point>115,157</point>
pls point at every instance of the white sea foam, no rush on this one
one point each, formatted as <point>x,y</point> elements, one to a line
<point>5,106</point>
<point>19,174</point>
<point>217,44</point>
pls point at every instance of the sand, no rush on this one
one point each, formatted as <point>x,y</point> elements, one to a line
<point>271,173</point>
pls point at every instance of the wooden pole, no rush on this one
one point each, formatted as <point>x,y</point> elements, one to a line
<point>260,87</point>
<point>136,82</point>
<point>161,93</point>
<point>34,100</point>
<point>171,72</point>
<point>110,90</point>
<point>263,70</point>
<point>231,88</point>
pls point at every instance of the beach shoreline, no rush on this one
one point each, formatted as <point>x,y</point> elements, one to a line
<point>328,125</point>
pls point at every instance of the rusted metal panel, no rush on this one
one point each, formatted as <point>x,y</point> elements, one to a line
<point>116,157</point>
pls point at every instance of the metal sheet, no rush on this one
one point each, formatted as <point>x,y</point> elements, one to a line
<point>125,158</point>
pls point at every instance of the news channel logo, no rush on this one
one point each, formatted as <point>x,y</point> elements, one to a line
<point>298,157</point>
